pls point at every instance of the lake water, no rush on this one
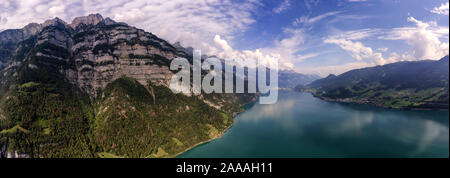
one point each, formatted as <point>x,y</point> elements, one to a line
<point>302,126</point>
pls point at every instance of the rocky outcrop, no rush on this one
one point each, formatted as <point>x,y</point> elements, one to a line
<point>188,50</point>
<point>92,19</point>
<point>31,29</point>
<point>11,36</point>
<point>96,51</point>
<point>104,51</point>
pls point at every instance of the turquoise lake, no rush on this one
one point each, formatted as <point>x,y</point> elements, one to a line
<point>302,126</point>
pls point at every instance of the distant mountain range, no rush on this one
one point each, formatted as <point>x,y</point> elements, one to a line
<point>403,85</point>
<point>286,78</point>
<point>290,79</point>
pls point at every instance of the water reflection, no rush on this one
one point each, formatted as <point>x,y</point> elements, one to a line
<point>354,124</point>
<point>273,111</point>
<point>431,133</point>
<point>300,125</point>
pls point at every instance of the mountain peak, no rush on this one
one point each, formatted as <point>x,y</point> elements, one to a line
<point>31,29</point>
<point>91,19</point>
<point>177,44</point>
<point>287,71</point>
<point>331,76</point>
<point>34,28</point>
<point>54,22</point>
<point>444,59</point>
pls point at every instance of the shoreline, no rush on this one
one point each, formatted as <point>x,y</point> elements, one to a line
<point>191,147</point>
<point>201,143</point>
<point>212,139</point>
<point>209,140</point>
<point>374,105</point>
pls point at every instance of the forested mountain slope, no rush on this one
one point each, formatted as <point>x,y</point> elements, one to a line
<point>414,85</point>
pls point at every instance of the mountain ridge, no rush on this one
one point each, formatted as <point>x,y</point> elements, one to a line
<point>403,85</point>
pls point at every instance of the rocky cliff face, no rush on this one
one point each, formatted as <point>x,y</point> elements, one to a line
<point>94,51</point>
<point>9,39</point>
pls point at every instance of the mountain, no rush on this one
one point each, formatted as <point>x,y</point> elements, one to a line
<point>290,79</point>
<point>99,88</point>
<point>286,78</point>
<point>188,50</point>
<point>405,85</point>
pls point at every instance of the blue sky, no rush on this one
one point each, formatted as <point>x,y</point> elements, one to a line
<point>321,20</point>
<point>308,36</point>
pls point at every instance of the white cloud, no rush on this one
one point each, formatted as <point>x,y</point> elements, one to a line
<point>306,21</point>
<point>223,44</point>
<point>349,41</point>
<point>310,4</point>
<point>427,40</point>
<point>443,9</point>
<point>282,7</point>
<point>57,10</point>
<point>358,34</point>
<point>300,58</point>
<point>288,65</point>
<point>287,47</point>
<point>295,38</point>
<point>359,51</point>
<point>227,52</point>
<point>282,51</point>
